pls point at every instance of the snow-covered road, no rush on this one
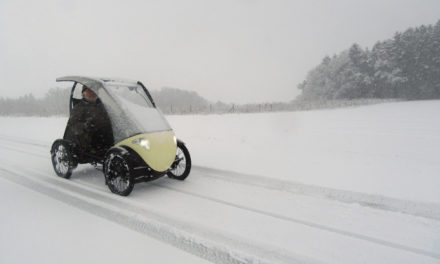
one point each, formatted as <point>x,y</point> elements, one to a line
<point>216,215</point>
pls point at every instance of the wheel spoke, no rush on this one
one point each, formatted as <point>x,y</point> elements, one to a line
<point>61,159</point>
<point>118,174</point>
<point>180,167</point>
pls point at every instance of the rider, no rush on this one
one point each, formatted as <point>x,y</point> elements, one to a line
<point>89,124</point>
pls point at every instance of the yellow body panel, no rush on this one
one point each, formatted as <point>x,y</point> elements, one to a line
<point>161,150</point>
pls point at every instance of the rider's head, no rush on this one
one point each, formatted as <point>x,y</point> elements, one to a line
<point>89,95</point>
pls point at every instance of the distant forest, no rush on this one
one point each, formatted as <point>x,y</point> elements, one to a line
<point>56,102</point>
<point>169,101</point>
<point>404,67</point>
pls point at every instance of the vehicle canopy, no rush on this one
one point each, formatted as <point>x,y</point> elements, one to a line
<point>128,103</point>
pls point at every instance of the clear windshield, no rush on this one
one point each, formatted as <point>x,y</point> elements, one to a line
<point>130,111</point>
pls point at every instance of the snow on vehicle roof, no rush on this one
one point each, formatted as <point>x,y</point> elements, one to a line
<point>97,83</point>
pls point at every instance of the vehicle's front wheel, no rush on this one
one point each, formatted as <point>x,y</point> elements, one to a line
<point>182,164</point>
<point>62,158</point>
<point>117,171</point>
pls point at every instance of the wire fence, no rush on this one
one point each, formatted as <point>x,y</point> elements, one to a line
<point>60,107</point>
<point>269,107</point>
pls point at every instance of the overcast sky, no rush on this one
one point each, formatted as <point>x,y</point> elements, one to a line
<point>229,50</point>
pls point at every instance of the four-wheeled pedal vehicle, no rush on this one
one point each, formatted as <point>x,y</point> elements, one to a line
<point>139,143</point>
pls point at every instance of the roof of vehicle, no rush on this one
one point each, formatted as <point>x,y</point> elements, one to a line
<point>97,83</point>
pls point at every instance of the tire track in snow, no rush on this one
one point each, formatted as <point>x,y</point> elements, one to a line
<point>23,151</point>
<point>290,219</point>
<point>293,220</point>
<point>24,141</point>
<point>207,244</point>
<point>21,146</point>
<point>310,224</point>
<point>261,212</point>
<point>423,209</point>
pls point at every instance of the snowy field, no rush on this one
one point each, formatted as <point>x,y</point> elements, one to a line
<point>352,185</point>
<point>388,149</point>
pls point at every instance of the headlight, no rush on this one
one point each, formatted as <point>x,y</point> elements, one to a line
<point>143,142</point>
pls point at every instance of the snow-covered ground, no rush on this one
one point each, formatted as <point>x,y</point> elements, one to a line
<point>389,149</point>
<point>352,185</point>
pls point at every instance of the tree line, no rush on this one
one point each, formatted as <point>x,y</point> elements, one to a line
<point>55,102</point>
<point>169,101</point>
<point>404,67</point>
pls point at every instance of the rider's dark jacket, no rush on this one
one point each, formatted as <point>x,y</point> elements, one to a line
<point>89,127</point>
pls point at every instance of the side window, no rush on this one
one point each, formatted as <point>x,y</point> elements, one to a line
<point>77,93</point>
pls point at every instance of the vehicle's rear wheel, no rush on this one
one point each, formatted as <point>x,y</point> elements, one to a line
<point>62,159</point>
<point>182,164</point>
<point>117,171</point>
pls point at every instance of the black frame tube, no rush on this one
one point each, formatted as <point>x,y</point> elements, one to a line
<point>148,94</point>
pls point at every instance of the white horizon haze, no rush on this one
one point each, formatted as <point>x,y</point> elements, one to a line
<point>236,51</point>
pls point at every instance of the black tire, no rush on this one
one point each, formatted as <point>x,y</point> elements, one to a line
<point>62,158</point>
<point>118,171</point>
<point>182,164</point>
